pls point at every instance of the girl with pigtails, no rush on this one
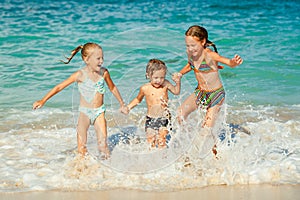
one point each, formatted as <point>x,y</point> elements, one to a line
<point>90,81</point>
<point>209,93</point>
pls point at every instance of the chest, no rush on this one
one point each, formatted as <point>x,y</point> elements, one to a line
<point>156,94</point>
<point>90,86</point>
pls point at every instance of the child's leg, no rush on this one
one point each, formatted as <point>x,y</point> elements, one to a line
<point>210,120</point>
<point>161,140</point>
<point>82,127</point>
<point>101,131</point>
<point>187,107</point>
<point>211,115</point>
<point>151,136</point>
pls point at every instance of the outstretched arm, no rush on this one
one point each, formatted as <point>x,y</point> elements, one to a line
<point>55,90</point>
<point>235,61</point>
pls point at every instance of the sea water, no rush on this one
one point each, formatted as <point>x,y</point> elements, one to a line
<point>38,148</point>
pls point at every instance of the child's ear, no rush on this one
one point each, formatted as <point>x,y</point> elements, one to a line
<point>147,76</point>
<point>203,42</point>
<point>86,59</point>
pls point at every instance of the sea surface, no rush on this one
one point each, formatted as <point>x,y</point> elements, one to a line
<point>259,125</point>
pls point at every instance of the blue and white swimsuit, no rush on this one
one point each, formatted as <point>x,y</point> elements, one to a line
<point>88,90</point>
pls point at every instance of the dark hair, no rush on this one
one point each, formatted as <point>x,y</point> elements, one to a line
<point>154,65</point>
<point>200,33</point>
<point>85,51</point>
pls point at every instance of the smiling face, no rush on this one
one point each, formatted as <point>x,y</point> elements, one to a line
<point>95,59</point>
<point>194,47</point>
<point>156,71</point>
<point>157,78</point>
<point>196,38</point>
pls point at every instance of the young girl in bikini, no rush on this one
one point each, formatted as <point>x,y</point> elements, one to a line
<point>90,81</point>
<point>209,92</point>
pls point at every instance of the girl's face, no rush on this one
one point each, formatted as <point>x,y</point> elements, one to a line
<point>158,78</point>
<point>194,47</point>
<point>95,59</point>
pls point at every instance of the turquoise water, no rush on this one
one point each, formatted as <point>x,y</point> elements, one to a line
<point>262,93</point>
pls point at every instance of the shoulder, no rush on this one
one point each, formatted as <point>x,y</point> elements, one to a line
<point>78,75</point>
<point>145,86</point>
<point>210,53</point>
<point>166,83</point>
<point>103,71</point>
<point>215,56</point>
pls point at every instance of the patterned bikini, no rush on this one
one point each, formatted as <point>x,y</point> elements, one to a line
<point>88,90</point>
<point>204,98</point>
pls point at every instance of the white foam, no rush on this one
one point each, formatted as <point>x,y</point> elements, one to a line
<point>44,157</point>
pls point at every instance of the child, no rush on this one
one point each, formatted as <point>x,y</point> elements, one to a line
<point>156,95</point>
<point>204,62</point>
<point>90,81</point>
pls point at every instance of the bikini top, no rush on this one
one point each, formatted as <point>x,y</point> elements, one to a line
<point>89,88</point>
<point>204,67</point>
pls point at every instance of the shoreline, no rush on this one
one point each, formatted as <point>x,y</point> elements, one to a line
<point>245,192</point>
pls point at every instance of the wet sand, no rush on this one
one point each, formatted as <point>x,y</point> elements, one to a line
<point>242,192</point>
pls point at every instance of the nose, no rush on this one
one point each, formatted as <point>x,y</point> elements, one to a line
<point>159,81</point>
<point>189,49</point>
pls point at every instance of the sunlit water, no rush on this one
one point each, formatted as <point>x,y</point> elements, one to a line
<point>38,148</point>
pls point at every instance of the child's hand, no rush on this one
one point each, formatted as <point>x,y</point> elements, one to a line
<point>37,104</point>
<point>176,77</point>
<point>124,109</point>
<point>237,60</point>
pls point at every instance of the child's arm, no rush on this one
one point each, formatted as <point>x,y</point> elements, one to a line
<point>136,100</point>
<point>113,88</point>
<point>177,79</point>
<point>235,61</point>
<point>55,90</point>
<point>187,68</point>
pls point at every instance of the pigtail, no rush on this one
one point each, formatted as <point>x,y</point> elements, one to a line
<point>209,43</point>
<point>73,53</point>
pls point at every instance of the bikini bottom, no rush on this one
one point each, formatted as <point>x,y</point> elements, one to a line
<point>209,99</point>
<point>92,113</point>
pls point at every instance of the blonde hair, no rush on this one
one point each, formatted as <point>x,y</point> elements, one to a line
<point>86,51</point>
<point>154,65</point>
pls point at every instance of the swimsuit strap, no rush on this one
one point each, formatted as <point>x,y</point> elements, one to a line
<point>202,63</point>
<point>88,88</point>
<point>191,65</point>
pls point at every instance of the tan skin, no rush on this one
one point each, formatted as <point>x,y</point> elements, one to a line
<point>93,64</point>
<point>156,95</point>
<point>208,81</point>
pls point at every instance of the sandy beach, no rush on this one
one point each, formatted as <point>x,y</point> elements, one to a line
<point>257,131</point>
<point>243,192</point>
